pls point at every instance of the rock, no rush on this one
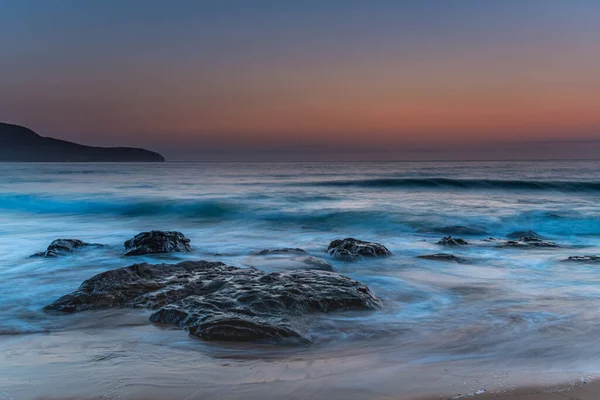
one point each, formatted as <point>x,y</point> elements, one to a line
<point>450,241</point>
<point>64,246</point>
<point>441,257</point>
<point>287,259</point>
<point>528,241</point>
<point>281,251</point>
<point>583,259</point>
<point>157,242</point>
<point>350,249</point>
<point>521,234</point>
<point>524,242</point>
<point>316,263</point>
<point>214,301</point>
<point>456,230</point>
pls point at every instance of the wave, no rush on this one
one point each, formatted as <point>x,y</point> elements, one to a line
<point>465,184</point>
<point>207,208</point>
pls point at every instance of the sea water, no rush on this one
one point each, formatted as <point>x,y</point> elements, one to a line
<point>504,307</point>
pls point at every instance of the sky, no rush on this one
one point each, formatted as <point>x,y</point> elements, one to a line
<point>278,80</point>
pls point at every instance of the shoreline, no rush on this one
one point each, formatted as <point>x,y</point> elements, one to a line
<point>141,361</point>
<point>578,391</point>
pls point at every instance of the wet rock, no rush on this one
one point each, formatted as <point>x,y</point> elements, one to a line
<point>64,246</point>
<point>350,249</point>
<point>157,242</point>
<point>316,263</point>
<point>524,234</point>
<point>583,259</point>
<point>287,260</point>
<point>281,251</point>
<point>456,230</point>
<point>442,257</point>
<point>529,241</point>
<point>218,302</point>
<point>523,242</point>
<point>450,241</point>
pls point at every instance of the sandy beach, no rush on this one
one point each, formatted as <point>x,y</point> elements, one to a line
<point>133,360</point>
<point>582,391</point>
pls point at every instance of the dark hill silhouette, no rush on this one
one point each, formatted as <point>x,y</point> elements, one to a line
<point>20,144</point>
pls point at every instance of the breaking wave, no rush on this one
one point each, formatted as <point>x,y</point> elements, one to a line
<point>466,184</point>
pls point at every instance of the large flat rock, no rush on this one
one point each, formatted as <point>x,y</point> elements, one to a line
<point>215,301</point>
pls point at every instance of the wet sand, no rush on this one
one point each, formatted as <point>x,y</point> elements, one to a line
<point>582,391</point>
<point>587,392</point>
<point>125,357</point>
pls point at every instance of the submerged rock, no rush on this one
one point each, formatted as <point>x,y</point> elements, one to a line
<point>583,259</point>
<point>523,242</point>
<point>442,257</point>
<point>218,302</point>
<point>524,234</point>
<point>64,246</point>
<point>529,241</point>
<point>350,249</point>
<point>281,251</point>
<point>316,263</point>
<point>450,241</point>
<point>287,259</point>
<point>456,230</point>
<point>157,242</point>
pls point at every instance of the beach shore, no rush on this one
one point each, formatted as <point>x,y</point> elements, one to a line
<point>589,391</point>
<point>582,391</point>
<point>123,357</point>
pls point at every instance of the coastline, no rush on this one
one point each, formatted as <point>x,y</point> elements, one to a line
<point>125,359</point>
<point>590,391</point>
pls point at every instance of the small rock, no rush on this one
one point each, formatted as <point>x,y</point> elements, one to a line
<point>522,234</point>
<point>350,249</point>
<point>316,263</point>
<point>441,257</point>
<point>157,242</point>
<point>450,241</point>
<point>523,242</point>
<point>281,251</point>
<point>64,246</point>
<point>287,260</point>
<point>529,241</point>
<point>583,259</point>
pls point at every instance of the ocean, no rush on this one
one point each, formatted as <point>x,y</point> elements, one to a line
<point>501,317</point>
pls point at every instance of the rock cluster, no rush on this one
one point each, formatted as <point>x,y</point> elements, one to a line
<point>214,301</point>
